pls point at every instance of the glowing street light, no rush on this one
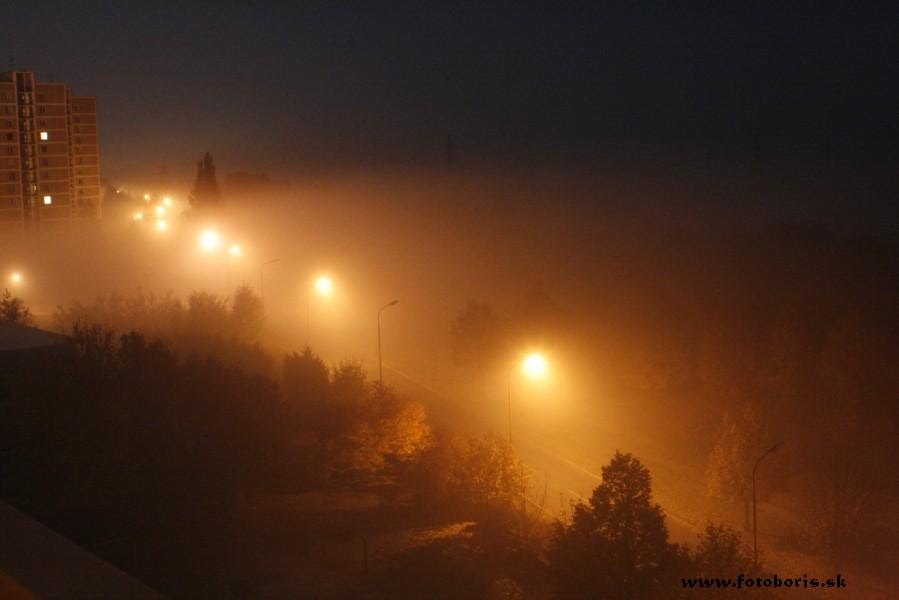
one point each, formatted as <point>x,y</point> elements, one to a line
<point>146,197</point>
<point>160,210</point>
<point>161,225</point>
<point>167,201</point>
<point>324,287</point>
<point>533,366</point>
<point>210,240</point>
<point>16,278</point>
<point>235,250</point>
<point>138,216</point>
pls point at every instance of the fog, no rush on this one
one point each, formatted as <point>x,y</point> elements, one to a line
<point>662,302</point>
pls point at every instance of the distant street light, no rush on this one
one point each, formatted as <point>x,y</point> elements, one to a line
<point>210,240</point>
<point>161,225</point>
<point>15,278</point>
<point>324,286</point>
<point>380,363</point>
<point>755,531</point>
<point>138,216</point>
<point>262,280</point>
<point>534,366</point>
<point>235,250</point>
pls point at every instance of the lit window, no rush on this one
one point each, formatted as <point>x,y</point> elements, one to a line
<point>45,136</point>
<point>48,200</point>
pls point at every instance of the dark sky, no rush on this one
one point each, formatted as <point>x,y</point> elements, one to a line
<point>273,88</point>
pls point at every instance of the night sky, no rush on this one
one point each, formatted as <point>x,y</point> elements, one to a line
<point>277,89</point>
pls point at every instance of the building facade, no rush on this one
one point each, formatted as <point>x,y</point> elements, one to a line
<point>49,155</point>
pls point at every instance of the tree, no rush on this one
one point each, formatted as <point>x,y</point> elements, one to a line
<point>729,473</point>
<point>488,472</point>
<point>721,550</point>
<point>305,379</point>
<point>247,314</point>
<point>205,196</point>
<point>13,310</point>
<point>722,553</point>
<point>616,546</point>
<point>477,338</point>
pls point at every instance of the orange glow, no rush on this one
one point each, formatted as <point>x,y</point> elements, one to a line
<point>161,225</point>
<point>235,250</point>
<point>535,366</point>
<point>324,286</point>
<point>210,240</point>
<point>15,278</point>
<point>138,216</point>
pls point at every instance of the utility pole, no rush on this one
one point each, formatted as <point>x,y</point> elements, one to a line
<point>755,531</point>
<point>380,363</point>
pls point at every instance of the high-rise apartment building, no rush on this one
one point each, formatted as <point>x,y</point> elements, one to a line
<point>49,155</point>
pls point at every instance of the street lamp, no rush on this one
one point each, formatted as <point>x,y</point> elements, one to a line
<point>210,240</point>
<point>262,280</point>
<point>15,278</point>
<point>755,532</point>
<point>323,286</point>
<point>380,363</point>
<point>534,366</point>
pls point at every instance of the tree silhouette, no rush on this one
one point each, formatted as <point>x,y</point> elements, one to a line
<point>247,314</point>
<point>13,309</point>
<point>205,196</point>
<point>616,546</point>
<point>739,444</point>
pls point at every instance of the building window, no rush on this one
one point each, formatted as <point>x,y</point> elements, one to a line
<point>45,136</point>
<point>48,200</point>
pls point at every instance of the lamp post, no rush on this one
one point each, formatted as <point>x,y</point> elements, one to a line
<point>755,532</point>
<point>380,363</point>
<point>534,366</point>
<point>262,280</point>
<point>324,287</point>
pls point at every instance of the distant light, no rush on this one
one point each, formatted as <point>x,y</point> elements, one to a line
<point>48,200</point>
<point>324,286</point>
<point>119,191</point>
<point>235,250</point>
<point>15,278</point>
<point>161,225</point>
<point>45,136</point>
<point>535,366</point>
<point>147,197</point>
<point>138,216</point>
<point>160,210</point>
<point>167,201</point>
<point>210,240</point>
